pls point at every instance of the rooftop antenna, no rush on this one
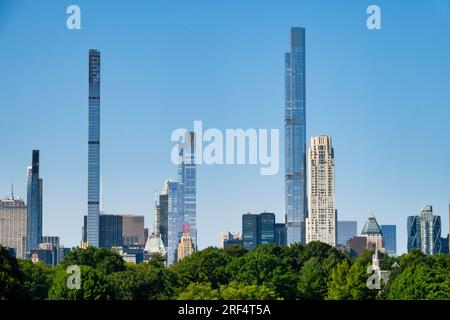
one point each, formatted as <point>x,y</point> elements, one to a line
<point>12,188</point>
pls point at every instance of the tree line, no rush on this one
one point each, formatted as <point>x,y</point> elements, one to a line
<point>315,271</point>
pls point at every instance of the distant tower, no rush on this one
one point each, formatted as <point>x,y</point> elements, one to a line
<point>34,205</point>
<point>372,232</point>
<point>186,245</point>
<point>94,150</point>
<point>321,221</point>
<point>295,138</point>
<point>187,177</point>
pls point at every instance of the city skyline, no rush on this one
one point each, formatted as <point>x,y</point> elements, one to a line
<point>357,193</point>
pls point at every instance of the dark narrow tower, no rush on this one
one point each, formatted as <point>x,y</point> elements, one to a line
<point>94,149</point>
<point>295,138</point>
<point>34,206</point>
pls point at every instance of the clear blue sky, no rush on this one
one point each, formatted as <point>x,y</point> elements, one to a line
<point>384,97</point>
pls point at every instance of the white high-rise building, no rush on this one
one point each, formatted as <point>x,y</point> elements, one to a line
<point>13,225</point>
<point>321,221</point>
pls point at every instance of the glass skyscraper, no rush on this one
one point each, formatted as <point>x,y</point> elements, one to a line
<point>389,238</point>
<point>187,180</point>
<point>175,219</point>
<point>250,231</point>
<point>295,138</point>
<point>94,149</point>
<point>34,205</point>
<point>424,231</point>
<point>266,228</point>
<point>346,230</point>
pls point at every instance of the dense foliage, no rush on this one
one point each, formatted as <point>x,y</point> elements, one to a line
<point>315,271</point>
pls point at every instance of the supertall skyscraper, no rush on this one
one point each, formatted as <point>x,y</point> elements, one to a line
<point>94,149</point>
<point>321,221</point>
<point>295,138</point>
<point>34,206</point>
<point>187,177</point>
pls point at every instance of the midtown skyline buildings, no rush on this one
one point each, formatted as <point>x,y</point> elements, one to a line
<point>121,181</point>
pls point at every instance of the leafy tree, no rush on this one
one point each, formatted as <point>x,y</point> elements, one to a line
<point>157,260</point>
<point>206,266</point>
<point>102,259</point>
<point>144,281</point>
<point>236,251</point>
<point>337,289</point>
<point>37,279</point>
<point>312,282</point>
<point>234,291</point>
<point>94,285</point>
<point>423,278</point>
<point>199,291</point>
<point>260,267</point>
<point>11,277</point>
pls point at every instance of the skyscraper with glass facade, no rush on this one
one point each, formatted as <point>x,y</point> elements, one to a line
<point>266,228</point>
<point>174,220</point>
<point>346,230</point>
<point>424,231</point>
<point>389,238</point>
<point>295,138</point>
<point>250,231</point>
<point>187,179</point>
<point>34,205</point>
<point>94,150</point>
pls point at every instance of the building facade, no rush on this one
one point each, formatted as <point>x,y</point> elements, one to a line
<point>321,221</point>
<point>250,231</point>
<point>13,225</point>
<point>424,231</point>
<point>389,238</point>
<point>187,173</point>
<point>133,230</point>
<point>162,215</point>
<point>110,230</point>
<point>34,204</point>
<point>266,228</point>
<point>280,234</point>
<point>228,238</point>
<point>372,232</point>
<point>93,217</point>
<point>175,219</point>
<point>295,138</point>
<point>185,246</point>
<point>346,230</point>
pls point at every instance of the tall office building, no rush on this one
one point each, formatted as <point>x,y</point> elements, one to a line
<point>372,232</point>
<point>321,220</point>
<point>424,231</point>
<point>187,179</point>
<point>175,219</point>
<point>133,230</point>
<point>13,225</point>
<point>295,138</point>
<point>162,212</point>
<point>258,229</point>
<point>280,234</point>
<point>227,239</point>
<point>110,230</point>
<point>250,231</point>
<point>346,230</point>
<point>389,238</point>
<point>34,204</point>
<point>94,150</point>
<point>266,228</point>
